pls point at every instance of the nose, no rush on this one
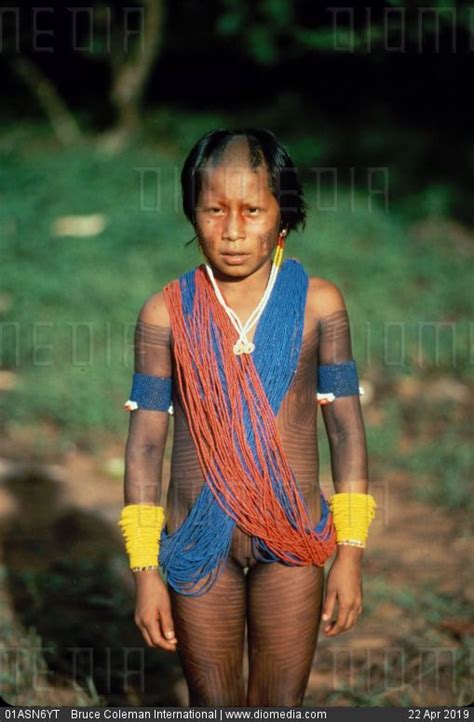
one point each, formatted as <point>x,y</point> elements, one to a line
<point>233,230</point>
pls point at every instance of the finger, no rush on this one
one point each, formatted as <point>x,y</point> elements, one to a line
<point>328,606</point>
<point>145,634</point>
<point>167,626</point>
<point>339,625</point>
<point>355,612</point>
<point>154,630</point>
<point>351,618</point>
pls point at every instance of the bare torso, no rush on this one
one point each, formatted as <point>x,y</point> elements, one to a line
<point>296,423</point>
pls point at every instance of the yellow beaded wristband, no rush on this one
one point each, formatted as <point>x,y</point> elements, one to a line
<point>141,526</point>
<point>353,513</point>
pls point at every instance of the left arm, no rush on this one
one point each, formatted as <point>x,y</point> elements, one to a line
<point>348,451</point>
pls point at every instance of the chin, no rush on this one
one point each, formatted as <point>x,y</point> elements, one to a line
<point>228,269</point>
<point>231,271</point>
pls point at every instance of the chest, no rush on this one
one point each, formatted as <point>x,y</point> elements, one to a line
<point>243,311</point>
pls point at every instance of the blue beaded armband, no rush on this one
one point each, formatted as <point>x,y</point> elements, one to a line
<point>150,392</point>
<point>338,380</point>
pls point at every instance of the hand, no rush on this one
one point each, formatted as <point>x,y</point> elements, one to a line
<point>153,611</point>
<point>344,585</point>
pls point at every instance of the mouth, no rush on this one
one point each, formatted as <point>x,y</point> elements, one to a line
<point>233,257</point>
<point>235,253</point>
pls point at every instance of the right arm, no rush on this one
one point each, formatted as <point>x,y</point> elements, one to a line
<point>144,454</point>
<point>148,429</point>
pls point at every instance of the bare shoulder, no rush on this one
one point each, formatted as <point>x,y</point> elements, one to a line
<point>324,297</point>
<point>154,310</point>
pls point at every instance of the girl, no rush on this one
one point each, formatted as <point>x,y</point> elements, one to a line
<point>237,349</point>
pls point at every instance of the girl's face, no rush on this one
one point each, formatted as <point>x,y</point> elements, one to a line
<point>237,215</point>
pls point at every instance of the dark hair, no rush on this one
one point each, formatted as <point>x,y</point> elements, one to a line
<point>284,181</point>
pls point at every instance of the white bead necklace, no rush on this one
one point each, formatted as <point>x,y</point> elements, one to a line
<point>243,345</point>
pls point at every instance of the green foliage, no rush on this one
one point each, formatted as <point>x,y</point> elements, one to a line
<point>259,28</point>
<point>86,290</point>
<point>441,460</point>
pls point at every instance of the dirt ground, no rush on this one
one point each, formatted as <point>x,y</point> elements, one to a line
<point>66,583</point>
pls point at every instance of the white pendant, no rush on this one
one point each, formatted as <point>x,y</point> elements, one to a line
<point>243,347</point>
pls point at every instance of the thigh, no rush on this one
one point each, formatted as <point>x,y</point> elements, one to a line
<point>283,608</point>
<point>210,630</point>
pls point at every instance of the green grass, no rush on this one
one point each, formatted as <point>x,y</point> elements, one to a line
<point>442,456</point>
<point>436,605</point>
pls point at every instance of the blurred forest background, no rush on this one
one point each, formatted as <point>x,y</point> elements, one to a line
<point>100,105</point>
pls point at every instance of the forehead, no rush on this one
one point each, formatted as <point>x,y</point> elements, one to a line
<point>235,181</point>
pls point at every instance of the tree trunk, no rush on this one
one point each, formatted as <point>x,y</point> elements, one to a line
<point>63,122</point>
<point>130,74</point>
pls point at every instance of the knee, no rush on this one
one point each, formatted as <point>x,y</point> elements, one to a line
<point>275,696</point>
<point>216,698</point>
<point>275,699</point>
<point>221,694</point>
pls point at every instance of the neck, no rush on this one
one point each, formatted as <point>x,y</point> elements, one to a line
<point>252,285</point>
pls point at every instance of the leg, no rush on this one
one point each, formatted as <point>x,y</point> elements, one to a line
<point>284,606</point>
<point>210,631</point>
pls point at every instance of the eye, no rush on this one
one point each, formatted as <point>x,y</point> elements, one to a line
<point>214,210</point>
<point>253,210</point>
